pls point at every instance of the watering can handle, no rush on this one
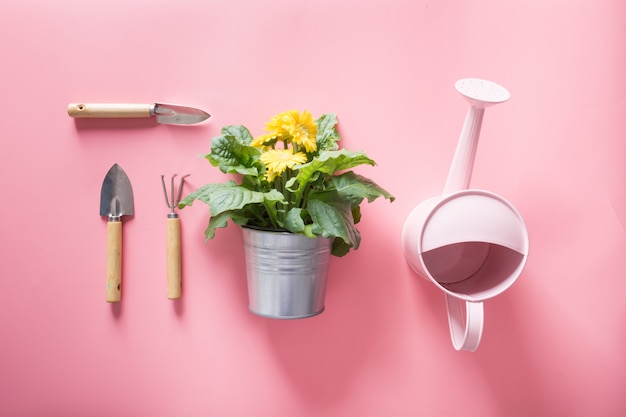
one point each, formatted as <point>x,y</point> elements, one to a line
<point>465,329</point>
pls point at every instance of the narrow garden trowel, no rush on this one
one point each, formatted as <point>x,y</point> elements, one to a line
<point>173,114</point>
<point>116,200</point>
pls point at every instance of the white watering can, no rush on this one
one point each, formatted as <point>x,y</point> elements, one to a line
<point>472,244</point>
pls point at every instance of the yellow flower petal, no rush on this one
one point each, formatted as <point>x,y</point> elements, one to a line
<point>278,160</point>
<point>303,131</point>
<point>264,141</point>
<point>295,127</point>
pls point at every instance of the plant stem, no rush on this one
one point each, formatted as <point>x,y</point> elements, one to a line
<point>271,211</point>
<point>280,207</point>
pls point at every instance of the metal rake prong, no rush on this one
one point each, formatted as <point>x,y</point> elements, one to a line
<point>173,194</point>
<point>173,198</point>
<point>167,201</point>
<point>180,188</point>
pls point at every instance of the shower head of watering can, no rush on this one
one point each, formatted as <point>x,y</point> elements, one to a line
<point>482,93</point>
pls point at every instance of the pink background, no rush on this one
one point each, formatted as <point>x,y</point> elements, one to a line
<point>554,344</point>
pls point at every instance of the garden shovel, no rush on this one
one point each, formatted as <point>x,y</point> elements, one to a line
<point>116,200</point>
<point>165,113</point>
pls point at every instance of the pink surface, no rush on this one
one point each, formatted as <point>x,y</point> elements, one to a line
<point>554,343</point>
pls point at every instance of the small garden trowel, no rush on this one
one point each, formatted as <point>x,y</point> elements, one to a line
<point>116,200</point>
<point>165,113</point>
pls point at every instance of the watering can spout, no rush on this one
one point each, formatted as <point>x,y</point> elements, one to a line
<point>480,94</point>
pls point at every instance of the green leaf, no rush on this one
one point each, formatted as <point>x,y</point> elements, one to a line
<point>221,220</point>
<point>234,157</point>
<point>204,193</point>
<point>355,188</point>
<point>328,163</point>
<point>229,196</point>
<point>308,231</point>
<point>239,132</point>
<point>340,248</point>
<point>332,217</point>
<point>327,136</point>
<point>356,214</point>
<point>293,220</point>
<point>235,198</point>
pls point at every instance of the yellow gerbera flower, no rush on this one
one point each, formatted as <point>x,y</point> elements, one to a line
<point>278,123</point>
<point>278,160</point>
<point>264,141</point>
<point>304,130</point>
<point>299,128</point>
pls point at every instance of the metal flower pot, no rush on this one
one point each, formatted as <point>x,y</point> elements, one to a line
<point>287,273</point>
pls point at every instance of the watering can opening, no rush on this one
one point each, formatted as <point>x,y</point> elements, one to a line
<point>477,270</point>
<point>474,216</point>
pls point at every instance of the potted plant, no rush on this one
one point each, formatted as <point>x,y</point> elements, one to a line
<point>296,197</point>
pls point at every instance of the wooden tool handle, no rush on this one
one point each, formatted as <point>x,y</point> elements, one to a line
<point>108,110</point>
<point>173,259</point>
<point>114,261</point>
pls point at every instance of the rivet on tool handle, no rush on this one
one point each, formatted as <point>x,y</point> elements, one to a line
<point>108,110</point>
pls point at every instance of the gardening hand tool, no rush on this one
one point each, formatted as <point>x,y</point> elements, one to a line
<point>116,200</point>
<point>165,113</point>
<point>173,240</point>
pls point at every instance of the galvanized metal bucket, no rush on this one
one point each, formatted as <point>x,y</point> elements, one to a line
<point>287,273</point>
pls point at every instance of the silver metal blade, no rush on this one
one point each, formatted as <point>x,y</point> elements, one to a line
<point>179,115</point>
<point>116,195</point>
